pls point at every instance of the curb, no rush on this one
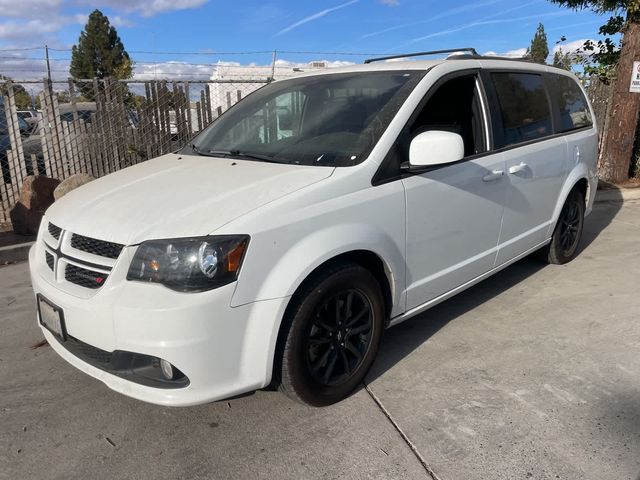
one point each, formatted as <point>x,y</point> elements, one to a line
<point>617,195</point>
<point>15,253</point>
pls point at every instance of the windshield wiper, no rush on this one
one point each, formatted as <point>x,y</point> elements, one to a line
<point>239,154</point>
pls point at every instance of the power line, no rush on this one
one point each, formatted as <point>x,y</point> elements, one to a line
<point>213,53</point>
<point>20,49</point>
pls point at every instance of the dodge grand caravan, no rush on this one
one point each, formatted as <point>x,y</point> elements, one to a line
<point>277,246</point>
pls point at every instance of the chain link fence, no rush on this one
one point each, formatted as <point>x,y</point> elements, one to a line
<point>100,126</point>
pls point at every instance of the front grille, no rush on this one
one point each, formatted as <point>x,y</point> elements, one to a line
<point>84,278</point>
<point>96,247</point>
<point>54,231</point>
<point>50,260</point>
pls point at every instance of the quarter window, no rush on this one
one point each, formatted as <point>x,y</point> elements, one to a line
<point>524,108</point>
<point>572,106</point>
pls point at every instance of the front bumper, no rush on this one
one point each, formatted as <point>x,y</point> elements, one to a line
<point>224,351</point>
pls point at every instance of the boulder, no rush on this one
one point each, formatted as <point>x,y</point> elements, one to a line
<point>71,183</point>
<point>36,196</point>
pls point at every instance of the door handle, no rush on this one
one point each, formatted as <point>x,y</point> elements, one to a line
<point>494,175</point>
<point>518,168</point>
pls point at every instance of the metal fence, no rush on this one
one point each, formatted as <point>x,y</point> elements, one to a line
<point>100,126</point>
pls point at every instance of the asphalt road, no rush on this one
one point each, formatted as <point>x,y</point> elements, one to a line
<point>535,373</point>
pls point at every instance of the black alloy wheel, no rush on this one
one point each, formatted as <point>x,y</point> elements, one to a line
<point>569,226</point>
<point>330,335</point>
<point>568,231</point>
<point>339,337</point>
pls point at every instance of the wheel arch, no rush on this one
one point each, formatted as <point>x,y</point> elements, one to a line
<point>367,259</point>
<point>578,178</point>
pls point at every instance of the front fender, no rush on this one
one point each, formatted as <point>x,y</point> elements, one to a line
<point>302,257</point>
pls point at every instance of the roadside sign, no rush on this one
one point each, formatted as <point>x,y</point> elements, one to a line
<point>635,78</point>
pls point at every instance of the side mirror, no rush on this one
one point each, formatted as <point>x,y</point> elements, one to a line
<point>435,147</point>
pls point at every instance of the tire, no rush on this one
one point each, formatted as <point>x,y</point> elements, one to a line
<point>568,232</point>
<point>331,335</point>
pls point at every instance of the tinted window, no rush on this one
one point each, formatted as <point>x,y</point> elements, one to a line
<point>573,108</point>
<point>524,108</point>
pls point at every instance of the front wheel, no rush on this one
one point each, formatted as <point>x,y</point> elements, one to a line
<point>331,335</point>
<point>568,232</point>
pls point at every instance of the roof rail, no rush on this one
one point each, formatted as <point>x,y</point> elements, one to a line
<point>471,51</point>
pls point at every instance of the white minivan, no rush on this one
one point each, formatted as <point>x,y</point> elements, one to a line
<point>278,245</point>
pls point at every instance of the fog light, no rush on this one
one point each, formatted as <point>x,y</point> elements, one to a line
<point>167,369</point>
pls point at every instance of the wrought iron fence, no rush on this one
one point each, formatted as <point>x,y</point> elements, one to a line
<point>100,126</point>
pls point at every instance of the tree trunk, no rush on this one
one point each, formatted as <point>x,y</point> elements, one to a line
<point>618,141</point>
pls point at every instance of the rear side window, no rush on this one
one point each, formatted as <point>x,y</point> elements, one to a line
<point>573,109</point>
<point>524,108</point>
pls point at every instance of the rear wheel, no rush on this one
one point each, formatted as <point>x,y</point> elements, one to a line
<point>568,232</point>
<point>331,335</point>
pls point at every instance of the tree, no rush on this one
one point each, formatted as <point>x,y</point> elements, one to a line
<point>100,52</point>
<point>538,51</point>
<point>562,60</point>
<point>21,96</point>
<point>616,65</point>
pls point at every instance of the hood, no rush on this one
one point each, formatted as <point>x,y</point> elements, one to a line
<point>176,196</point>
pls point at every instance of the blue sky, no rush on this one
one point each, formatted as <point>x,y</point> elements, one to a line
<point>212,26</point>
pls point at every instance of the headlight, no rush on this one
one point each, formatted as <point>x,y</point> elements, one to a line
<point>190,264</point>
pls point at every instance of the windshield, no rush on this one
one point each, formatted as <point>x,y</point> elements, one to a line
<point>325,120</point>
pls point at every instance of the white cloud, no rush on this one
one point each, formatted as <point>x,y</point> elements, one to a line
<point>517,53</point>
<point>390,3</point>
<point>315,16</point>
<point>16,30</point>
<point>35,21</point>
<point>28,8</point>
<point>574,47</point>
<point>173,70</point>
<point>25,66</point>
<point>155,7</point>
<point>147,8</point>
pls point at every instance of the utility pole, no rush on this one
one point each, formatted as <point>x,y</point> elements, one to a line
<point>618,140</point>
<point>273,66</point>
<point>46,53</point>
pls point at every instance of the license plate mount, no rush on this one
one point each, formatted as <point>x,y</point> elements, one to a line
<point>51,317</point>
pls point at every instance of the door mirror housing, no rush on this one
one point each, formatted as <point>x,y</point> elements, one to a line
<point>433,148</point>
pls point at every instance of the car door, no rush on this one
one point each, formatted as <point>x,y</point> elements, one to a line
<point>535,159</point>
<point>453,213</point>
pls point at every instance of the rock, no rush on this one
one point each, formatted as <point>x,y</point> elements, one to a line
<point>36,196</point>
<point>71,183</point>
<point>37,192</point>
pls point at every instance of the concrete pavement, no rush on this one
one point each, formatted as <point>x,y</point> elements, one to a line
<point>535,373</point>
